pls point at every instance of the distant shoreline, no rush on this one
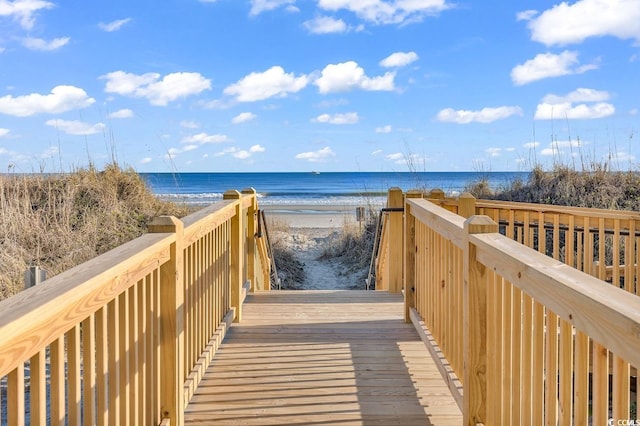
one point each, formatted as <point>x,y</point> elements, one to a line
<point>311,215</point>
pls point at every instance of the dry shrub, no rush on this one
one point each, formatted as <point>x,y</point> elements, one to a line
<point>290,270</point>
<point>598,187</point>
<point>57,221</point>
<point>352,246</point>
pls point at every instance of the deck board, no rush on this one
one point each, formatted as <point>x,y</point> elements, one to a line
<point>322,358</point>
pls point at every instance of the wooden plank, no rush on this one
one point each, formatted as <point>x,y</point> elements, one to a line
<point>15,396</point>
<point>58,412</point>
<point>38,379</point>
<point>89,370</point>
<point>314,369</point>
<point>592,306</point>
<point>74,399</point>
<point>35,317</point>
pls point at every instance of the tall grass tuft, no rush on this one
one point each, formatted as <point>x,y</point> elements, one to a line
<point>597,187</point>
<point>57,221</point>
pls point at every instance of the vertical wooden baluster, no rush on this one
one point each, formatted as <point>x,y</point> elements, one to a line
<point>600,391</point>
<point>621,384</point>
<point>15,397</point>
<point>89,370</point>
<point>74,376</point>
<point>57,388</point>
<point>102,362</point>
<point>38,388</point>
<point>113,326</point>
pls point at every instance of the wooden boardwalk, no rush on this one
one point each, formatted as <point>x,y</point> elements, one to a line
<point>323,358</point>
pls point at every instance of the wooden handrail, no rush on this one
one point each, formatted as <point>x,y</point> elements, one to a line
<point>34,318</point>
<point>515,323</point>
<point>126,337</point>
<point>552,335</point>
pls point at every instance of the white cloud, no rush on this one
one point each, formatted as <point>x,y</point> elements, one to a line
<point>399,59</point>
<point>346,118</point>
<point>189,124</point>
<point>590,105</point>
<point>240,154</point>
<point>526,15</point>
<point>560,147</point>
<point>259,86</point>
<point>259,6</point>
<point>398,156</point>
<point>531,145</point>
<point>349,75</point>
<point>493,152</point>
<point>387,12</point>
<point>23,11</point>
<point>113,25</point>
<point>61,99</point>
<point>74,127</point>
<point>325,25</point>
<point>149,86</point>
<point>243,117</point>
<point>4,132</point>
<point>573,23</point>
<point>204,138</point>
<point>578,95</point>
<point>33,43</point>
<point>546,65</point>
<point>243,154</point>
<point>146,160</point>
<point>567,110</point>
<point>376,152</point>
<point>319,156</point>
<point>122,113</point>
<point>485,115</point>
<point>384,129</point>
<point>410,160</point>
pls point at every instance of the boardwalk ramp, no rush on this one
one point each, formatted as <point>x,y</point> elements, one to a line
<point>320,358</point>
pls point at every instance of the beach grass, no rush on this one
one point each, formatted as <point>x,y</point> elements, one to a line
<point>597,186</point>
<point>57,221</point>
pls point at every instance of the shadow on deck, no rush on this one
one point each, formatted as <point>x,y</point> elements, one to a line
<point>323,357</point>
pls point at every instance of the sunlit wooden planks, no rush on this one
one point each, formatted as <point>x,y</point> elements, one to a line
<point>342,357</point>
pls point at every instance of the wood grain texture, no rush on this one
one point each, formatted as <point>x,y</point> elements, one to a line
<point>323,357</point>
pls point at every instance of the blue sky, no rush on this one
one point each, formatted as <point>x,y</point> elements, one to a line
<point>327,85</point>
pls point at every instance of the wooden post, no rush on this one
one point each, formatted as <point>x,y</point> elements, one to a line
<point>396,245</point>
<point>475,325</point>
<point>171,323</point>
<point>252,229</point>
<point>237,254</point>
<point>466,205</point>
<point>410,256</point>
<point>436,194</point>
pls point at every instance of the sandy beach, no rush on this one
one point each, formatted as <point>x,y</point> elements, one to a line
<point>308,229</point>
<point>312,216</point>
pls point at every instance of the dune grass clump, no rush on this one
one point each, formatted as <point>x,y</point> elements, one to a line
<point>598,187</point>
<point>57,221</point>
<point>352,246</point>
<point>290,269</point>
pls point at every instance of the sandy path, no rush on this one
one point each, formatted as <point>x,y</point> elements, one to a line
<point>321,274</point>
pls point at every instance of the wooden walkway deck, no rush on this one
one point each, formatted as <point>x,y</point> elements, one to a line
<point>323,358</point>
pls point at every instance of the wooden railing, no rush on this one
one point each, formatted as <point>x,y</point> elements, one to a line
<point>126,337</point>
<point>522,337</point>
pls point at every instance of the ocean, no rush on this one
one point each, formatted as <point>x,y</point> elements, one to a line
<point>313,188</point>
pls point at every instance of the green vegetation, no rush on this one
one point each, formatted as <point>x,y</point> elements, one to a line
<point>57,221</point>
